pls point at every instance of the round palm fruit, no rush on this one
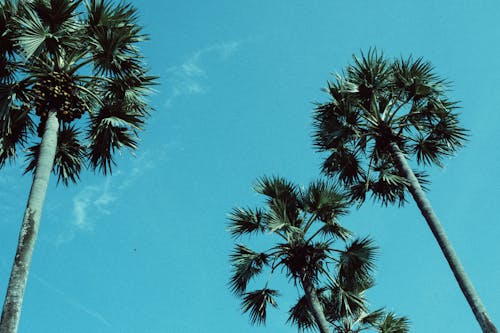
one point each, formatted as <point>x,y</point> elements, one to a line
<point>57,91</point>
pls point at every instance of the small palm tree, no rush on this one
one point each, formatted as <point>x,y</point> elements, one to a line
<point>62,60</point>
<point>382,112</point>
<point>305,223</point>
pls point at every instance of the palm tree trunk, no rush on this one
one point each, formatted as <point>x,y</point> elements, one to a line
<point>315,305</point>
<point>423,203</point>
<point>29,229</point>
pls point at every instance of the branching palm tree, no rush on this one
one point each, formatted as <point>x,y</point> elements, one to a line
<point>62,60</point>
<point>305,224</point>
<point>380,114</point>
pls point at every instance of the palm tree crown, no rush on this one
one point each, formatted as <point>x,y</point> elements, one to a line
<point>78,61</point>
<point>305,223</point>
<point>376,102</point>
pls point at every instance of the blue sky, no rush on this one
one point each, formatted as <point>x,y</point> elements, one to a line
<point>146,250</point>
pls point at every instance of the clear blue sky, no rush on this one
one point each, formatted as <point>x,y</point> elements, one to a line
<point>146,250</point>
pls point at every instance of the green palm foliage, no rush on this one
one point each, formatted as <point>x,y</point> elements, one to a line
<point>81,62</point>
<point>305,224</point>
<point>382,113</point>
<point>377,102</point>
<point>72,94</point>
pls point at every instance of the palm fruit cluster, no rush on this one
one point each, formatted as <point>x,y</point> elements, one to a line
<point>57,91</point>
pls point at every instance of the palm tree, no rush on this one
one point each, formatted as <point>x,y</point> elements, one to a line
<point>62,60</point>
<point>382,112</point>
<point>306,226</point>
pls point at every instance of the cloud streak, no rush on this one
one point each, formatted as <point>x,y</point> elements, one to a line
<point>189,78</point>
<point>93,201</point>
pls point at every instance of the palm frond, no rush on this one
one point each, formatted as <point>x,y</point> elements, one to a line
<point>276,188</point>
<point>35,33</point>
<point>417,78</point>
<point>356,264</point>
<point>341,304</point>
<point>335,230</point>
<point>344,165</point>
<point>325,200</point>
<point>69,156</point>
<point>8,28</point>
<point>428,151</point>
<point>256,302</point>
<point>246,264</point>
<point>245,221</point>
<point>300,315</point>
<point>112,128</point>
<point>56,14</point>
<point>394,324</point>
<point>389,187</point>
<point>113,32</point>
<point>15,126</point>
<point>371,318</point>
<point>283,215</point>
<point>370,73</point>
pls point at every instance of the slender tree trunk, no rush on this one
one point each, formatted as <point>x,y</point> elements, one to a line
<point>423,203</point>
<point>315,305</point>
<point>29,228</point>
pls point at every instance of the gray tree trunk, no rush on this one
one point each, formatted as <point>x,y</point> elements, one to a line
<point>423,203</point>
<point>29,229</point>
<point>315,306</point>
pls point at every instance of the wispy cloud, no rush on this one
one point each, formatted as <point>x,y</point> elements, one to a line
<point>94,201</point>
<point>94,197</point>
<point>189,78</point>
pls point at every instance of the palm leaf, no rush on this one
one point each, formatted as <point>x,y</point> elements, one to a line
<point>393,324</point>
<point>246,264</point>
<point>356,264</point>
<point>371,318</point>
<point>256,303</point>
<point>16,125</point>
<point>245,221</point>
<point>113,128</point>
<point>325,200</point>
<point>34,32</point>
<point>275,188</point>
<point>301,316</point>
<point>341,304</point>
<point>343,164</point>
<point>334,229</point>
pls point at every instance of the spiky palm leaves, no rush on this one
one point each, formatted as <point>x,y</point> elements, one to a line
<point>77,61</point>
<point>305,223</point>
<point>374,103</point>
<point>380,114</point>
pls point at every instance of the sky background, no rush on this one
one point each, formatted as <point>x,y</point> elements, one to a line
<point>146,250</point>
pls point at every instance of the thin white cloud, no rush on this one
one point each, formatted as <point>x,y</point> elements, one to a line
<point>93,200</point>
<point>189,78</point>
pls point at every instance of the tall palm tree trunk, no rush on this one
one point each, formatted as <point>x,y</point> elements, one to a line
<point>29,229</point>
<point>423,203</point>
<point>315,305</point>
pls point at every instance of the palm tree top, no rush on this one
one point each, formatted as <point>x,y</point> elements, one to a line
<point>376,101</point>
<point>304,221</point>
<point>79,59</point>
